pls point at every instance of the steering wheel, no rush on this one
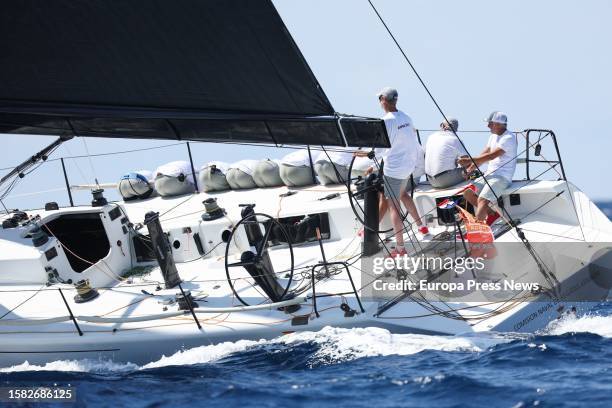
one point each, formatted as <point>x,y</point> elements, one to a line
<point>269,223</point>
<point>355,203</point>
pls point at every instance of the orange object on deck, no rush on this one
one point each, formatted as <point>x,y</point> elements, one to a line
<point>479,236</point>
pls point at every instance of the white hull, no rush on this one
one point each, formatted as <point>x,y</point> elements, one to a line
<point>138,297</point>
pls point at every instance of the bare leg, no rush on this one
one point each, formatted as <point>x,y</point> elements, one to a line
<point>395,208</point>
<point>471,197</point>
<point>396,218</point>
<point>412,210</point>
<point>483,209</point>
<point>383,206</point>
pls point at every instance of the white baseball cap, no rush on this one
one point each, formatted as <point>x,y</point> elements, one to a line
<point>497,117</point>
<point>388,93</point>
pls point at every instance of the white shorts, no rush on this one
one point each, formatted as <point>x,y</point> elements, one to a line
<point>496,184</point>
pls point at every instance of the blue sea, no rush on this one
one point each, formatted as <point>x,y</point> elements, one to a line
<point>567,365</point>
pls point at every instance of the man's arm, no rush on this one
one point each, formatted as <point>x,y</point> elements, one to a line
<point>364,153</point>
<point>361,153</point>
<point>486,155</point>
<point>462,153</point>
<point>485,151</point>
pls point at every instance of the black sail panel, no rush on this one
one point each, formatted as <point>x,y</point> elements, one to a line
<point>186,69</point>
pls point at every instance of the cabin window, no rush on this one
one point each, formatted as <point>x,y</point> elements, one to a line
<point>83,237</point>
<point>301,229</point>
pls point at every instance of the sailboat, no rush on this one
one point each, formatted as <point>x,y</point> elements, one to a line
<point>138,279</point>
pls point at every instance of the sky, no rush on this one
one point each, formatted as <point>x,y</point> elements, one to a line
<point>546,63</point>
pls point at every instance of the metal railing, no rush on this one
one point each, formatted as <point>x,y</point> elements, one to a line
<point>541,134</point>
<point>533,138</point>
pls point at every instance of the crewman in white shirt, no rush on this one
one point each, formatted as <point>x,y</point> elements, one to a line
<point>500,153</point>
<point>399,163</point>
<point>442,151</point>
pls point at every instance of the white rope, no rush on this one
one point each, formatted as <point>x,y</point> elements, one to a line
<point>33,322</point>
<point>145,318</point>
<point>207,310</point>
<point>135,319</point>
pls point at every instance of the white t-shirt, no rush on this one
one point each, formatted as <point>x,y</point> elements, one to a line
<point>401,157</point>
<point>246,166</point>
<point>505,164</point>
<point>339,156</point>
<point>441,152</point>
<point>297,158</point>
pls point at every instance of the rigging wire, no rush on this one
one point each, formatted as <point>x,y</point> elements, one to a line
<point>190,197</point>
<point>8,312</point>
<point>4,206</point>
<point>91,165</point>
<point>358,256</point>
<point>521,235</point>
<point>433,99</point>
<point>76,162</point>
<point>18,177</point>
<point>396,201</point>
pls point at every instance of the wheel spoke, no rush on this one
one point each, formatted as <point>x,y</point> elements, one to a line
<point>269,223</point>
<point>267,230</point>
<point>236,264</point>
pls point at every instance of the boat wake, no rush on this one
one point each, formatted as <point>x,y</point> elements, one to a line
<point>594,324</point>
<point>328,346</point>
<point>336,345</point>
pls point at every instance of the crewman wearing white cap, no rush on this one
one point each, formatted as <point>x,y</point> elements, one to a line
<point>400,161</point>
<point>500,154</point>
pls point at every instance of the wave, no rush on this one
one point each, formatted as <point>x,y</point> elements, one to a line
<point>79,366</point>
<point>594,324</point>
<point>196,355</point>
<point>332,345</point>
<point>340,345</point>
<point>204,354</point>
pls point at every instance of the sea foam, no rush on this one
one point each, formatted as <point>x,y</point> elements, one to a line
<point>332,345</point>
<point>600,325</point>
